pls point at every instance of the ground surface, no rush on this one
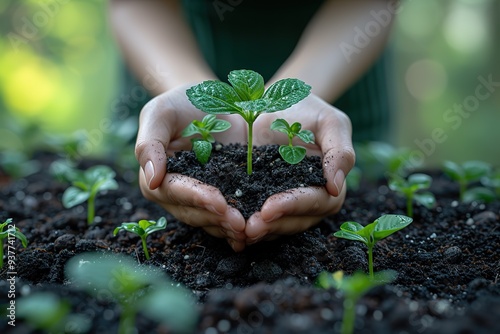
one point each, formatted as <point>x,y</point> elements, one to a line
<point>448,263</point>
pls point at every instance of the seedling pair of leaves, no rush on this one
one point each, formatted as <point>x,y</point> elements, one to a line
<point>353,288</point>
<point>246,96</point>
<point>85,185</point>
<point>370,234</point>
<point>13,232</point>
<point>143,228</point>
<point>412,189</point>
<point>466,174</point>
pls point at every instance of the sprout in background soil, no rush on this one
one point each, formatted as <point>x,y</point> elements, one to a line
<point>143,228</point>
<point>202,147</point>
<point>290,153</point>
<point>370,234</point>
<point>11,233</point>
<point>466,174</point>
<point>247,97</point>
<point>135,288</point>
<point>353,287</point>
<point>411,188</point>
<point>85,185</point>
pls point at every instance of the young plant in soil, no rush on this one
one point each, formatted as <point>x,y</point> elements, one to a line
<point>246,96</point>
<point>85,185</point>
<point>134,288</point>
<point>11,233</point>
<point>353,287</point>
<point>411,188</point>
<point>202,147</point>
<point>370,234</point>
<point>466,174</point>
<point>290,153</point>
<point>143,228</point>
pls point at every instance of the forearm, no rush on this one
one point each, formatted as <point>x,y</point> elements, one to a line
<point>157,44</point>
<point>330,56</point>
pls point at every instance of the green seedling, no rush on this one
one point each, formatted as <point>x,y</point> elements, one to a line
<point>467,173</point>
<point>353,288</point>
<point>290,153</point>
<point>202,147</point>
<point>492,181</point>
<point>47,312</point>
<point>86,185</point>
<point>370,234</point>
<point>246,96</point>
<point>143,228</point>
<point>134,288</point>
<point>11,233</point>
<point>411,188</point>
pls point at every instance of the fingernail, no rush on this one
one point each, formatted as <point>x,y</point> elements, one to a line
<point>339,179</point>
<point>231,243</point>
<point>212,209</point>
<point>149,172</point>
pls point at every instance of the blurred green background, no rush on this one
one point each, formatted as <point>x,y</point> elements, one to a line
<point>59,69</point>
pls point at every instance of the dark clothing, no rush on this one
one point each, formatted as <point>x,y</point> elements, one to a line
<point>260,35</point>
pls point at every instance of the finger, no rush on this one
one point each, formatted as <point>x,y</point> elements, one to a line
<point>257,230</point>
<point>300,201</point>
<point>153,138</point>
<point>334,137</point>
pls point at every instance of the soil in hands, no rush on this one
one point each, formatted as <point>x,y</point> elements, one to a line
<point>448,262</point>
<point>227,171</point>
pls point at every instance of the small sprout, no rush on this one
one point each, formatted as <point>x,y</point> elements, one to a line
<point>411,189</point>
<point>135,288</point>
<point>381,228</point>
<point>353,287</point>
<point>11,233</point>
<point>467,173</point>
<point>143,228</point>
<point>292,154</point>
<point>247,97</point>
<point>492,181</point>
<point>86,185</point>
<point>202,147</point>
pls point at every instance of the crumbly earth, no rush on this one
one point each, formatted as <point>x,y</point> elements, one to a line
<point>448,263</point>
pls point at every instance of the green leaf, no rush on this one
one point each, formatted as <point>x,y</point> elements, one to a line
<point>20,236</point>
<point>220,125</point>
<point>480,194</point>
<point>453,170</point>
<point>74,196</point>
<point>258,106</point>
<point>292,154</point>
<point>285,93</point>
<point>190,130</point>
<point>131,227</point>
<point>474,170</point>
<point>249,85</point>
<point>280,125</point>
<point>351,227</point>
<point>426,199</point>
<point>350,236</point>
<point>389,224</point>
<point>306,136</point>
<point>202,149</point>
<point>419,181</point>
<point>97,173</point>
<point>214,97</point>
<point>161,224</point>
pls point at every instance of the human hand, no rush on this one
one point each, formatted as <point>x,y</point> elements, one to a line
<point>298,209</point>
<point>191,201</point>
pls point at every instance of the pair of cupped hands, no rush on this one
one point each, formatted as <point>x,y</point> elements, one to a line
<point>200,205</point>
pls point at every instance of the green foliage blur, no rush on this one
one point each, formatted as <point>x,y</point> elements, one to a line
<point>60,71</point>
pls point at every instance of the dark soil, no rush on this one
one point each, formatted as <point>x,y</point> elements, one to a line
<point>448,263</point>
<point>270,174</point>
